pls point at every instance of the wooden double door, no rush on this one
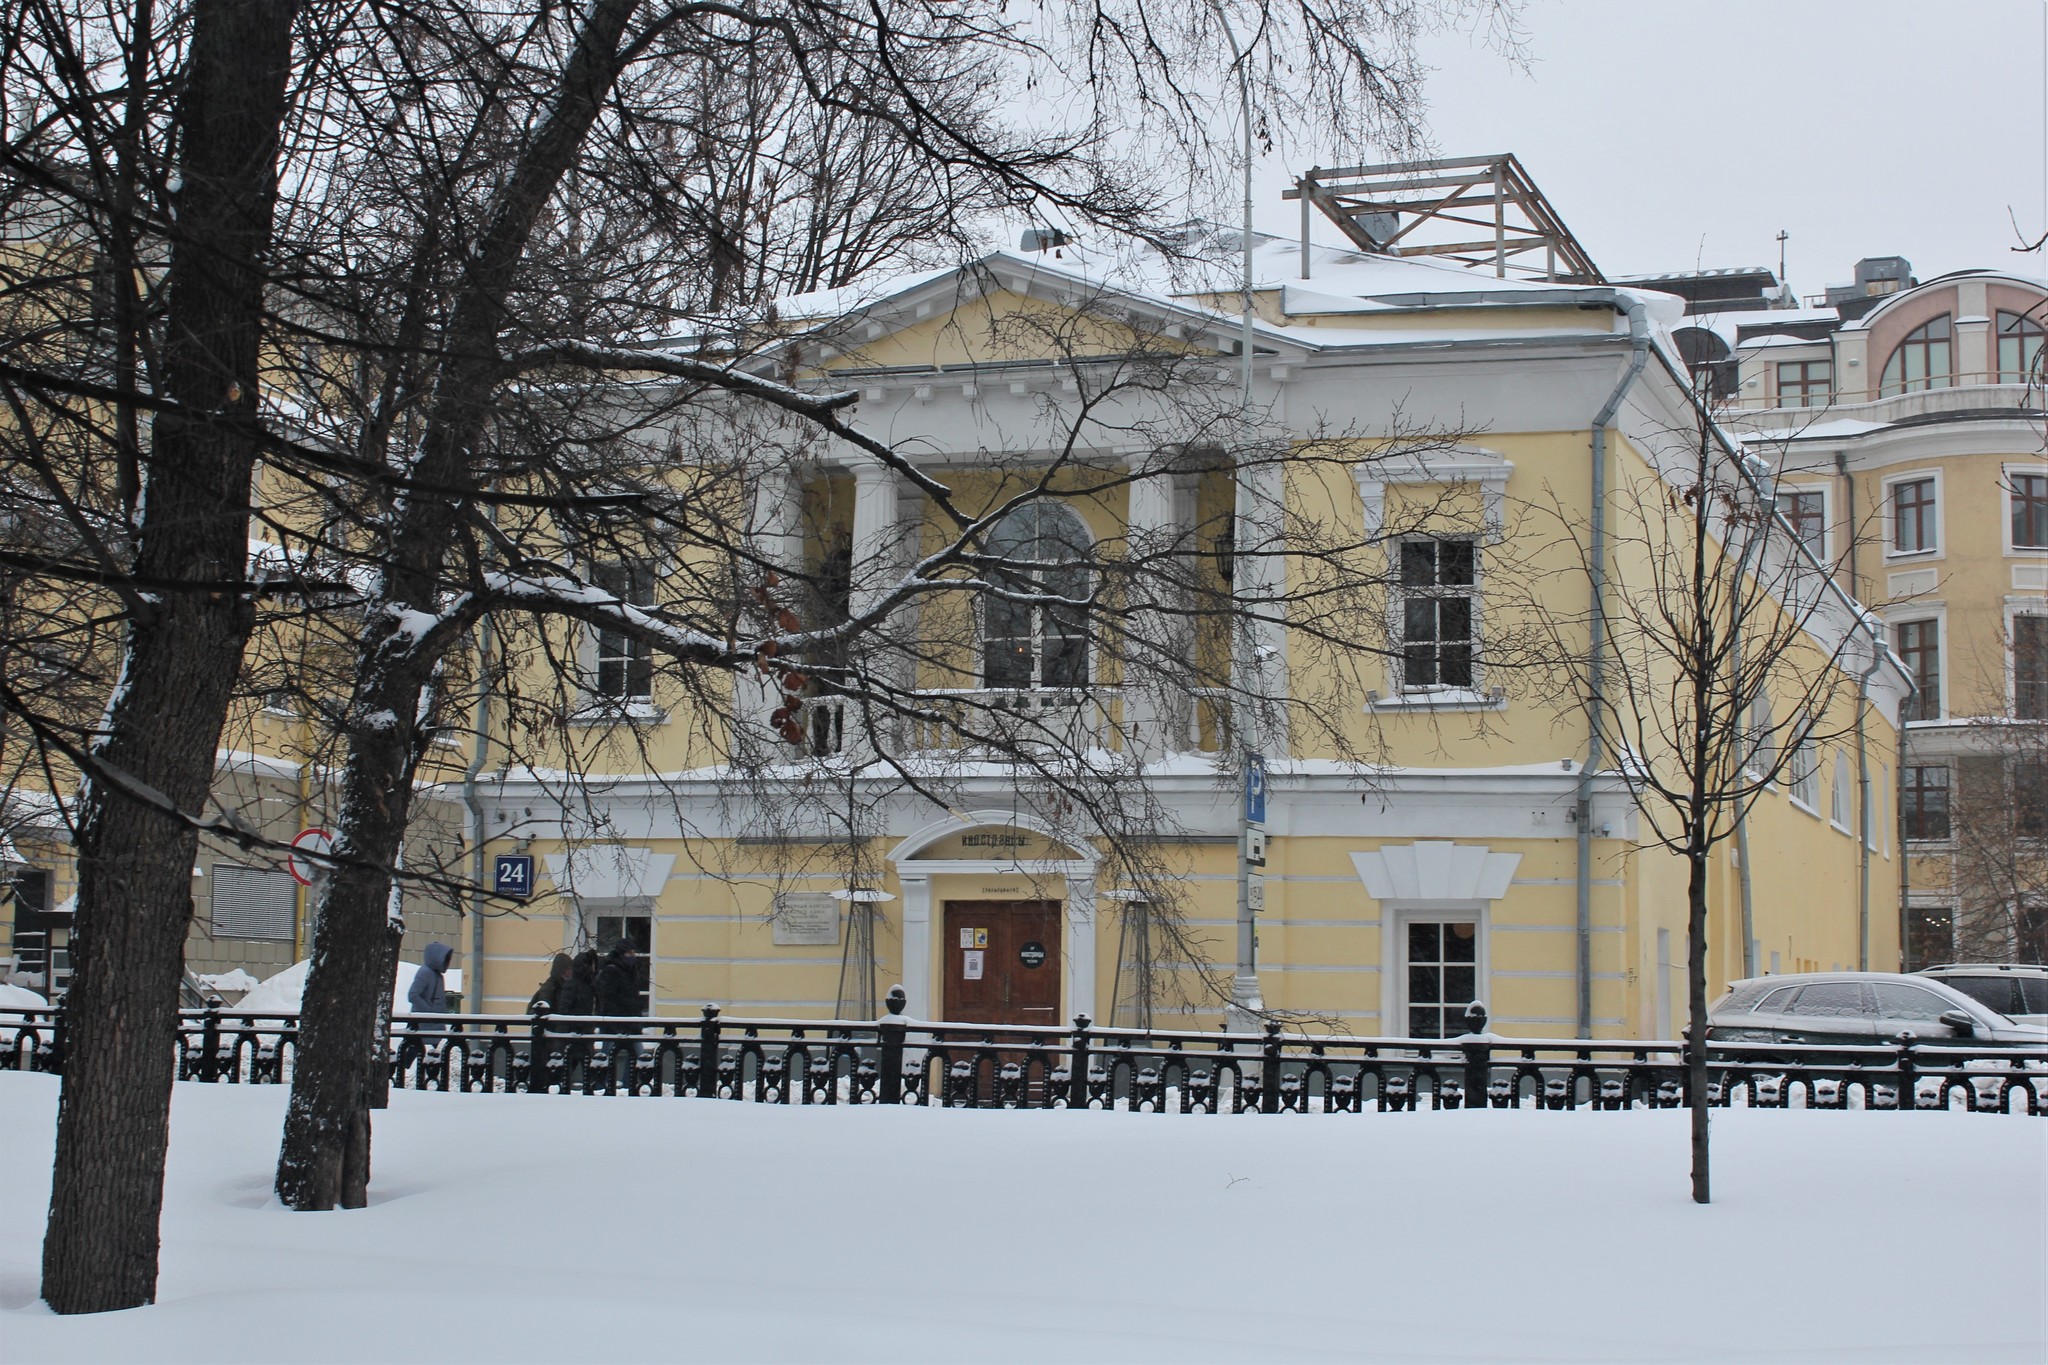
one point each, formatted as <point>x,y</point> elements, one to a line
<point>1002,962</point>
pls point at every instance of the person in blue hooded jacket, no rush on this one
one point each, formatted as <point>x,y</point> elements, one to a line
<point>429,993</point>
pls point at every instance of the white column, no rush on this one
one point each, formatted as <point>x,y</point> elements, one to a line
<point>775,534</point>
<point>1156,716</point>
<point>918,985</point>
<point>877,537</point>
<point>1259,654</point>
<point>1081,947</point>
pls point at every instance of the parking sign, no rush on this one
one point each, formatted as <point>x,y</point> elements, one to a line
<point>1255,789</point>
<point>512,875</point>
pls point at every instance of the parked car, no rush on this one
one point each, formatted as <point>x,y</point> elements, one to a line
<point>1858,1008</point>
<point>2017,990</point>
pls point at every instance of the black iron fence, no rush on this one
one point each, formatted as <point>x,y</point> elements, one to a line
<point>898,1061</point>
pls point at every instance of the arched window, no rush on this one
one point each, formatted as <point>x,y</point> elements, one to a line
<point>1042,551</point>
<point>1921,361</point>
<point>2019,348</point>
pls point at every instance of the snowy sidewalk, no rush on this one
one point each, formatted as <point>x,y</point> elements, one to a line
<point>516,1228</point>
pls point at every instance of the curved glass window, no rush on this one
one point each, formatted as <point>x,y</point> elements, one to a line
<point>2019,347</point>
<point>1041,552</point>
<point>1922,361</point>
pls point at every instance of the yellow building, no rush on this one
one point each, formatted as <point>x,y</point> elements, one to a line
<point>1907,423</point>
<point>1392,895</point>
<point>1473,858</point>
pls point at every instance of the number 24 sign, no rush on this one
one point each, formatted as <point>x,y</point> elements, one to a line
<point>512,875</point>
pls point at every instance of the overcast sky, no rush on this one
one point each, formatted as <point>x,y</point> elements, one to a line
<point>1670,134</point>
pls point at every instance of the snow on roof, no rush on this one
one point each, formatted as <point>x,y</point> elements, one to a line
<point>1779,339</point>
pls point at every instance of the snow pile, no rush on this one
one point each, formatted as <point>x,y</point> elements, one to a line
<point>281,994</point>
<point>538,1228</point>
<point>236,980</point>
<point>20,998</point>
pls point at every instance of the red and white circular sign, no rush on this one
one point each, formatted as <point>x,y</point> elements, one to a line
<point>315,842</point>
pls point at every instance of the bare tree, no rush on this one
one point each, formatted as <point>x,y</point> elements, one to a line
<point>488,218</point>
<point>1715,657</point>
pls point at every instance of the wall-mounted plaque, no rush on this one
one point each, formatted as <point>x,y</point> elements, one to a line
<point>806,918</point>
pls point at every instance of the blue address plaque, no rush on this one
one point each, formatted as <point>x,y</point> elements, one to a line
<point>1255,789</point>
<point>512,875</point>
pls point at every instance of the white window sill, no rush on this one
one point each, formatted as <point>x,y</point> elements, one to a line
<point>1838,827</point>
<point>1894,556</point>
<point>1797,804</point>
<point>608,712</point>
<point>1438,699</point>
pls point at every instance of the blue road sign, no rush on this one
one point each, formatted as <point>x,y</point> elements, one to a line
<point>512,875</point>
<point>1255,789</point>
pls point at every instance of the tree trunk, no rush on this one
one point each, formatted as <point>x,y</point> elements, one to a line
<point>1696,1015</point>
<point>325,1158</point>
<point>178,675</point>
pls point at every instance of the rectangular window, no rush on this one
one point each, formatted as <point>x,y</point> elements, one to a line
<point>1913,524</point>
<point>1930,936</point>
<point>1442,976</point>
<point>1919,647</point>
<point>1807,511</point>
<point>2030,798</point>
<point>2029,494</point>
<point>1923,801</point>
<point>1838,796</point>
<point>2030,667</point>
<point>253,902</point>
<point>1805,383</point>
<point>1439,588</point>
<point>625,665</point>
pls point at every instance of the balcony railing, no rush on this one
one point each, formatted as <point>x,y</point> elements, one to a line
<point>1970,393</point>
<point>958,720</point>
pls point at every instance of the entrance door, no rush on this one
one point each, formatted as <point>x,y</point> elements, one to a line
<point>1002,962</point>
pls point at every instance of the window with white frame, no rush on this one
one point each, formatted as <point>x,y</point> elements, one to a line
<point>1038,552</point>
<point>1806,509</point>
<point>1915,517</point>
<point>1763,741</point>
<point>1439,615</point>
<point>1919,647</point>
<point>1922,361</point>
<point>623,669</point>
<point>1839,805</point>
<point>1805,383</point>
<point>2027,496</point>
<point>2019,348</point>
<point>2030,667</point>
<point>1923,800</point>
<point>1440,974</point>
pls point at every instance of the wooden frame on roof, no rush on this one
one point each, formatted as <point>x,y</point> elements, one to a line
<point>1429,208</point>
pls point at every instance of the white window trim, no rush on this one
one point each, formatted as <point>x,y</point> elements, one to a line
<point>2005,475</point>
<point>1092,687</point>
<point>1890,523</point>
<point>595,707</point>
<point>1792,782</point>
<point>1936,612</point>
<point>1394,918</point>
<point>1826,552</point>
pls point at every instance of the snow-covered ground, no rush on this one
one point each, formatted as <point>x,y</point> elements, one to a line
<point>545,1228</point>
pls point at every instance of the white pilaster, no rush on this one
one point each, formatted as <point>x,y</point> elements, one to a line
<point>918,984</point>
<point>1081,947</point>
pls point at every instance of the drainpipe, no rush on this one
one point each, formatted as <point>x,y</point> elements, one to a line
<point>1639,355</point>
<point>1867,824</point>
<point>1742,814</point>
<point>479,747</point>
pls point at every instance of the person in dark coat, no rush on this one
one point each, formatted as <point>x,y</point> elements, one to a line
<point>550,991</point>
<point>576,996</point>
<point>618,991</point>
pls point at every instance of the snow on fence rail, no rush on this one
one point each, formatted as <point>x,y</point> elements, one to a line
<point>894,1060</point>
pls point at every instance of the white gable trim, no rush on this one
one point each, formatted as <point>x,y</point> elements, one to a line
<point>1436,870</point>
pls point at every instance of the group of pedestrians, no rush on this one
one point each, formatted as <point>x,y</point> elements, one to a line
<point>586,985</point>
